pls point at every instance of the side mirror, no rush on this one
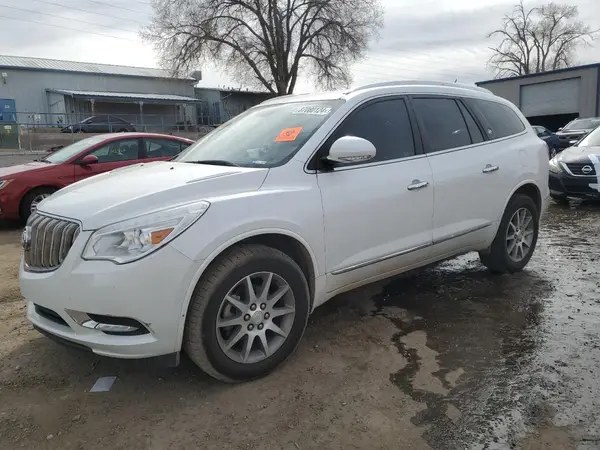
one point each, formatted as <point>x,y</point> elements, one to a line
<point>88,159</point>
<point>560,128</point>
<point>350,149</point>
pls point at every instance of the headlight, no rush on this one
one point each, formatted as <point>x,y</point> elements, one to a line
<point>555,165</point>
<point>3,183</point>
<point>136,238</point>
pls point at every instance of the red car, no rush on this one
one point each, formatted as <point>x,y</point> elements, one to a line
<point>23,186</point>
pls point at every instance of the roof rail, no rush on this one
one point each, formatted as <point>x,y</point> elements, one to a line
<point>419,83</point>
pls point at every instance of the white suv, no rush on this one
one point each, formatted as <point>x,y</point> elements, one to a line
<point>226,250</point>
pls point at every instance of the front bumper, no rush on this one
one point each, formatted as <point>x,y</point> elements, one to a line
<point>564,185</point>
<point>150,291</point>
<point>9,205</point>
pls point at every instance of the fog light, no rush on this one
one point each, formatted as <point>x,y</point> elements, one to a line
<point>108,324</point>
<point>109,327</point>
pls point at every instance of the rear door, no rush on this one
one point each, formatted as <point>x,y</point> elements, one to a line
<point>112,155</point>
<point>468,171</point>
<point>162,149</point>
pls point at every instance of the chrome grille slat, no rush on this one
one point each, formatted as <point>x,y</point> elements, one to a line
<point>51,240</point>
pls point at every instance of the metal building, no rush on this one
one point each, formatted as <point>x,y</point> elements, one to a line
<point>52,93</point>
<point>218,105</point>
<point>552,98</point>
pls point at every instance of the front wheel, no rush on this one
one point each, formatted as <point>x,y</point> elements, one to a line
<point>516,237</point>
<point>32,199</point>
<point>248,313</point>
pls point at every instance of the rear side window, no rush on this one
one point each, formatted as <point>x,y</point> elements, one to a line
<point>474,131</point>
<point>502,119</point>
<point>160,148</point>
<point>385,124</point>
<point>442,123</point>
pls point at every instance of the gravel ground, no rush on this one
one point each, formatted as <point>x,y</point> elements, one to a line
<point>448,358</point>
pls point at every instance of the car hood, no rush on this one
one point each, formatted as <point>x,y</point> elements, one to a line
<point>140,189</point>
<point>7,172</point>
<point>579,154</point>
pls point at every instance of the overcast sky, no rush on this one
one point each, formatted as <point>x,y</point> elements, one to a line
<point>422,39</point>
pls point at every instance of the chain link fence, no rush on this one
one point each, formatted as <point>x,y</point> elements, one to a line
<point>48,131</point>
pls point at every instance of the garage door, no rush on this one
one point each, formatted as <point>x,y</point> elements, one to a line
<point>554,97</point>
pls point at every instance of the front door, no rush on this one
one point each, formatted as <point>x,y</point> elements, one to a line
<point>378,214</point>
<point>115,154</point>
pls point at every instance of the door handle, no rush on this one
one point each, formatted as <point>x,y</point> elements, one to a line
<point>416,184</point>
<point>489,168</point>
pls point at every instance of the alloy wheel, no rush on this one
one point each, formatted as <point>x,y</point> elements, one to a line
<point>255,317</point>
<point>519,235</point>
<point>36,201</point>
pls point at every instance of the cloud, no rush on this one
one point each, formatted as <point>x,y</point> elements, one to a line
<point>422,39</point>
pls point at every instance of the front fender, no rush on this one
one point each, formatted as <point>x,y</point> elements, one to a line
<point>228,240</point>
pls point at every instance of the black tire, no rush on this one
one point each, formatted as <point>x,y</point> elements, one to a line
<point>30,197</point>
<point>200,337</point>
<point>122,130</point>
<point>560,199</point>
<point>496,257</point>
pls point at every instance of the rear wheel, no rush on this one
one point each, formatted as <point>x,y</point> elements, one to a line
<point>31,200</point>
<point>516,237</point>
<point>248,314</point>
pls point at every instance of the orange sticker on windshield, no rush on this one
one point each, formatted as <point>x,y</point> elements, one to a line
<point>288,134</point>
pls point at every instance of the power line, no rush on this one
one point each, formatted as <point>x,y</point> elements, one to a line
<point>119,7</point>
<point>65,28</point>
<point>89,12</point>
<point>65,18</point>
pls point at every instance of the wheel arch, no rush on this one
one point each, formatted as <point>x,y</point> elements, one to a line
<point>284,240</point>
<point>30,190</point>
<point>529,188</point>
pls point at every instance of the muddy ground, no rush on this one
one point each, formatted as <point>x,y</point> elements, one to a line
<point>450,358</point>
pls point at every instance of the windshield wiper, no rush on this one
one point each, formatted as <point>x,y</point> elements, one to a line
<point>214,162</point>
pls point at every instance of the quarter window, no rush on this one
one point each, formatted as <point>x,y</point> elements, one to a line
<point>502,119</point>
<point>385,124</point>
<point>443,123</point>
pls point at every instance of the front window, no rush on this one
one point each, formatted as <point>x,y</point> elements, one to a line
<point>582,124</point>
<point>265,136</point>
<point>591,140</point>
<point>66,153</point>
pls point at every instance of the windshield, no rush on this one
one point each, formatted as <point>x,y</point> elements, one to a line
<point>265,136</point>
<point>591,140</point>
<point>582,124</point>
<point>66,153</point>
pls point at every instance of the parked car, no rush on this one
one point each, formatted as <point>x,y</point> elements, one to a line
<point>100,124</point>
<point>23,186</point>
<point>575,172</point>
<point>549,138</point>
<point>226,250</point>
<point>575,130</point>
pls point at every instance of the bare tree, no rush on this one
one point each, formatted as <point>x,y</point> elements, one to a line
<point>266,42</point>
<point>538,39</point>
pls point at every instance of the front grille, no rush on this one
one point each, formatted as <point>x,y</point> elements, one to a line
<point>49,314</point>
<point>47,241</point>
<point>577,169</point>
